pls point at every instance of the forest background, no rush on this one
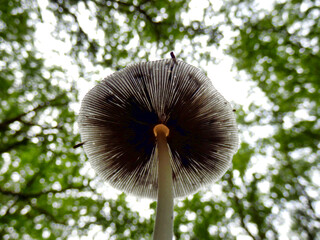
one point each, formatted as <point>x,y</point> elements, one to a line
<point>47,188</point>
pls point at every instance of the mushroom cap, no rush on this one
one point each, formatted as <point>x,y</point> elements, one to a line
<point>118,115</point>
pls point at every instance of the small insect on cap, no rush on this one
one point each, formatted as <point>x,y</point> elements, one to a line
<point>118,117</point>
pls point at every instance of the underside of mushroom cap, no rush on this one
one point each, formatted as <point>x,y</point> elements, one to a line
<point>118,115</point>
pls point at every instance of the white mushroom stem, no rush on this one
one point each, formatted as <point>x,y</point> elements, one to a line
<point>163,229</point>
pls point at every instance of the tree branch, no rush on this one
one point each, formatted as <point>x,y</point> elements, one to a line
<point>137,8</point>
<point>4,125</point>
<point>240,210</point>
<point>7,148</point>
<point>47,213</point>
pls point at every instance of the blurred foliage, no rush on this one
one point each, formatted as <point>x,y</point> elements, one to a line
<point>46,188</point>
<point>279,49</point>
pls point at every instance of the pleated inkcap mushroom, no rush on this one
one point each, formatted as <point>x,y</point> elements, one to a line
<point>118,116</point>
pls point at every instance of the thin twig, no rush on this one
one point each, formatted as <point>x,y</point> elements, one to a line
<point>5,123</point>
<point>173,57</point>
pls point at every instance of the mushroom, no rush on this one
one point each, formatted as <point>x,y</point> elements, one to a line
<point>158,130</point>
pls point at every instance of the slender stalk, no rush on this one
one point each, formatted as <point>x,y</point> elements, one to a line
<point>163,229</point>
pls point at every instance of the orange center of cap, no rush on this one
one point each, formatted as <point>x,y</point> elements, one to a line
<point>161,128</point>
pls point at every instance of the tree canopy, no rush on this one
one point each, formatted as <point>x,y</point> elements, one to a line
<point>47,188</point>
